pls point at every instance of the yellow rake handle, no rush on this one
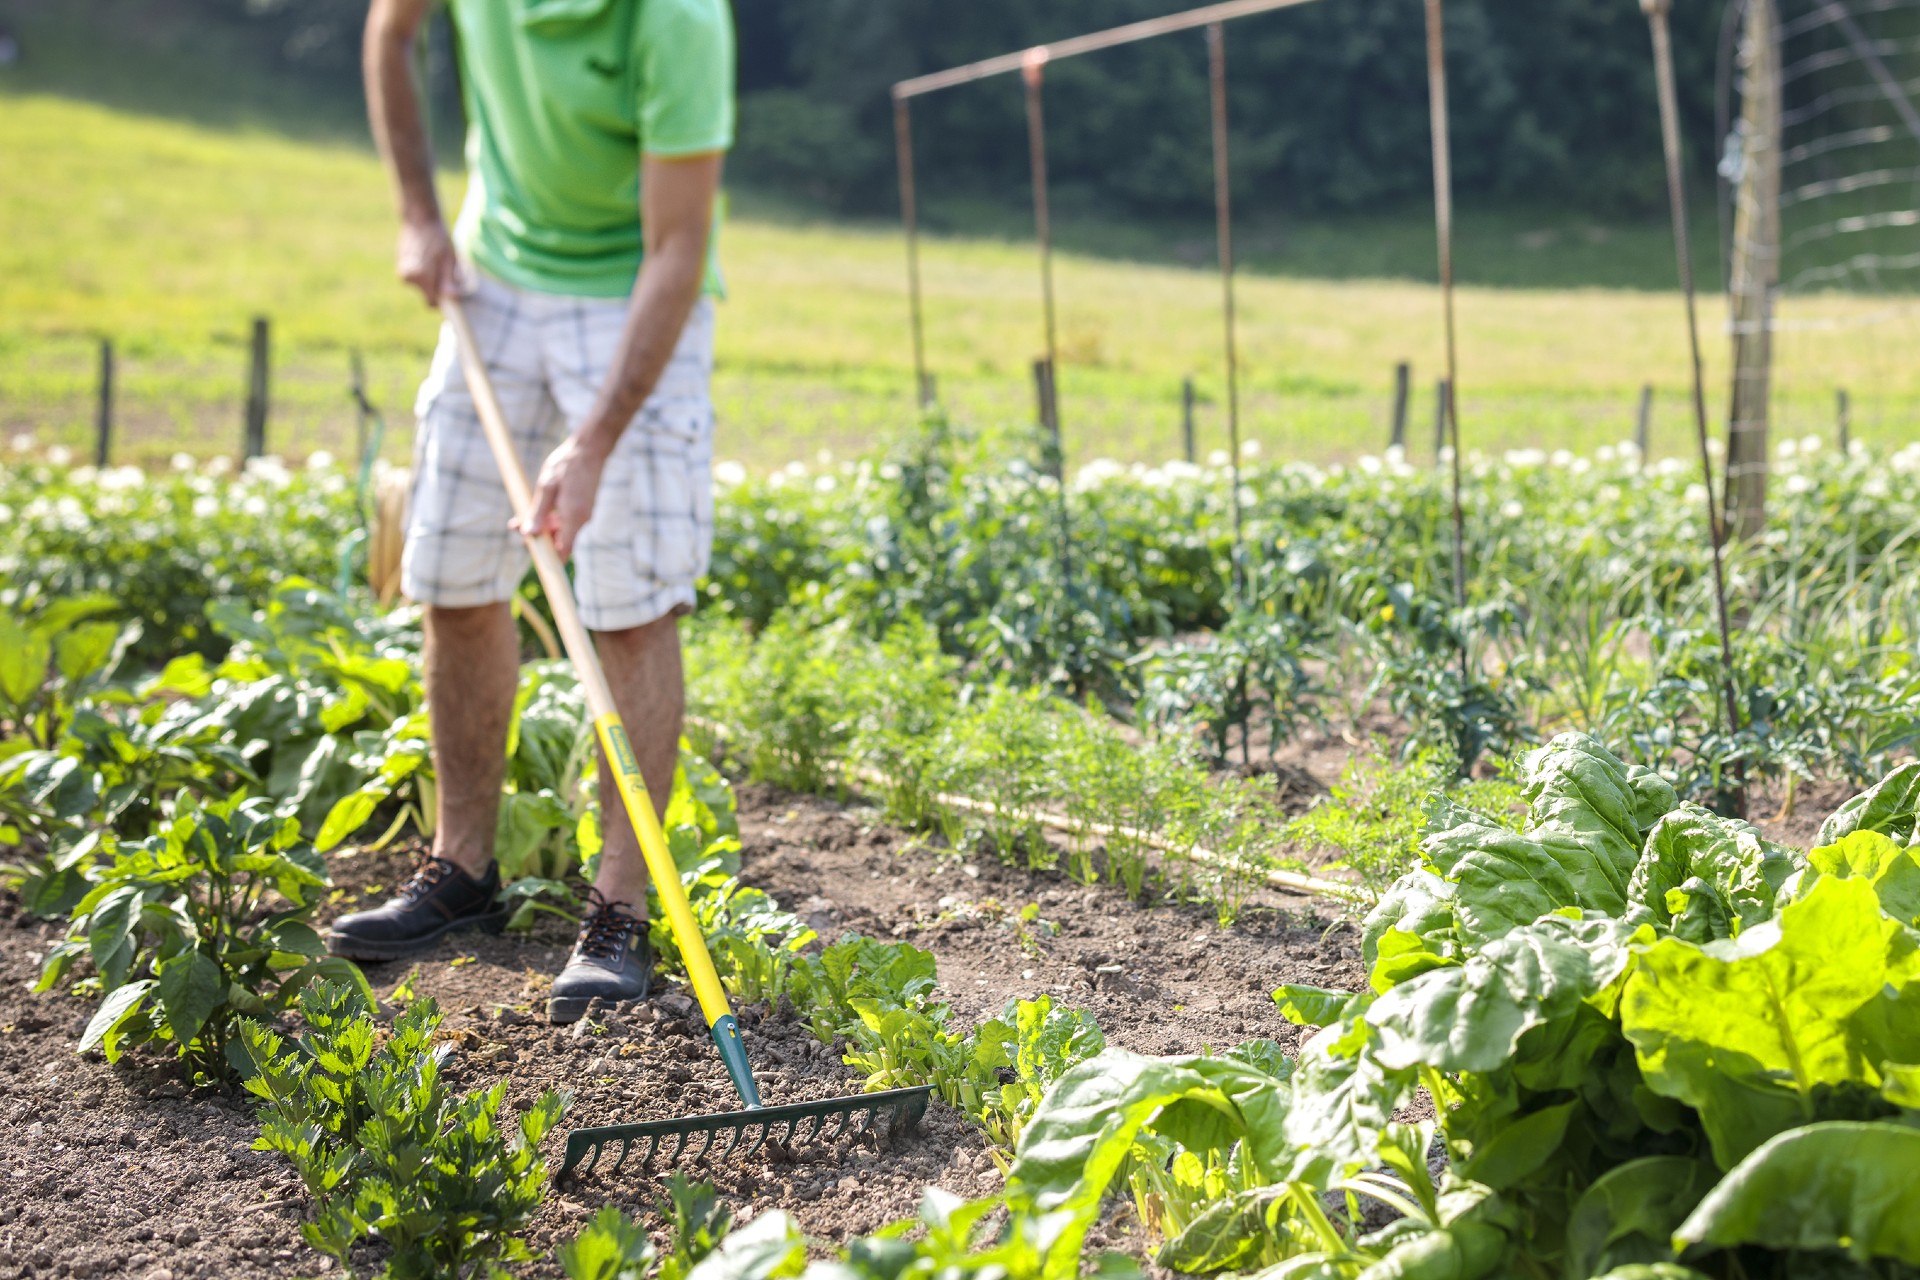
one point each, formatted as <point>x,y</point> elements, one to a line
<point>606,717</point>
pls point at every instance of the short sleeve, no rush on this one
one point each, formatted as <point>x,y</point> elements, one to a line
<point>684,51</point>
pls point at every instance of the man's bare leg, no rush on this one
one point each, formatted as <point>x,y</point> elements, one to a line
<point>643,666</point>
<point>472,671</point>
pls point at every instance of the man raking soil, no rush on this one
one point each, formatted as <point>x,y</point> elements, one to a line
<point>581,261</point>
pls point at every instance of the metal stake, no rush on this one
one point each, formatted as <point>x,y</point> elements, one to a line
<point>1656,11</point>
<point>1042,222</point>
<point>1223,220</point>
<point>1031,73</point>
<point>1443,225</point>
<point>910,211</point>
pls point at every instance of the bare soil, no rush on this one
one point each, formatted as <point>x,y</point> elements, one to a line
<point>124,1170</point>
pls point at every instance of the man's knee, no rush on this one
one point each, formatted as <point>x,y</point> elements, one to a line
<point>456,623</point>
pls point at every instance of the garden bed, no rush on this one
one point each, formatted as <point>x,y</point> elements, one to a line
<point>124,1171</point>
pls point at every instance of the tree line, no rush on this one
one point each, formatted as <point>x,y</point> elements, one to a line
<point>1552,100</point>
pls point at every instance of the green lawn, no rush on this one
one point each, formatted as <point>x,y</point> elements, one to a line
<point>169,234</point>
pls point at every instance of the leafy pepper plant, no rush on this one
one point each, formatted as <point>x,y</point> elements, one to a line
<point>204,921</point>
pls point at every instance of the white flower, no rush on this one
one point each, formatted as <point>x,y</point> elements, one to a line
<point>824,457</point>
<point>1876,486</point>
<point>1446,454</point>
<point>255,505</point>
<point>1369,464</point>
<point>122,478</point>
<point>1811,444</point>
<point>82,475</point>
<point>730,473</point>
<point>219,465</point>
<point>1787,448</point>
<point>890,471</point>
<point>206,508</point>
<point>1696,493</point>
<point>1562,458</point>
<point>1218,458</point>
<point>1396,456</point>
<point>1629,450</point>
<point>181,462</point>
<point>319,460</point>
<point>1604,453</point>
<point>1512,509</point>
<point>23,442</point>
<point>1249,448</point>
<point>1580,466</point>
<point>824,482</point>
<point>796,468</point>
<point>59,455</point>
<point>70,510</point>
<point>1671,466</point>
<point>1247,496</point>
<point>269,470</point>
<point>1521,457</point>
<point>1716,446</point>
<point>1798,483</point>
<point>1098,472</point>
<point>6,513</point>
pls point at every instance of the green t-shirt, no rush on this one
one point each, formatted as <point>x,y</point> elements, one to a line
<point>563,97</point>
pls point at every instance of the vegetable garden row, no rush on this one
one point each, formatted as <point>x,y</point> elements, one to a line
<point>1608,1027</point>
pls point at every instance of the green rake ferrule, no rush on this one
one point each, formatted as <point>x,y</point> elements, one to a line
<point>733,1054</point>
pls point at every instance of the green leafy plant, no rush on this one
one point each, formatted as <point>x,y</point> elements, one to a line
<point>384,1149</point>
<point>205,921</point>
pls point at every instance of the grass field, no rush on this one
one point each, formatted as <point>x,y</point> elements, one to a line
<point>168,235</point>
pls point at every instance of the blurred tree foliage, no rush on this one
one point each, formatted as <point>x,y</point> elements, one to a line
<point>1552,99</point>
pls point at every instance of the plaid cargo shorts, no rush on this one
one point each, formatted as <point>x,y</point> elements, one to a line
<point>651,534</point>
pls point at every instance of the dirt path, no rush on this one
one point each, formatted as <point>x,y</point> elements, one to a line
<point>122,1171</point>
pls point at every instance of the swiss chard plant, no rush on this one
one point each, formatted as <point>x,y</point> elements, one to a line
<point>386,1151</point>
<point>204,922</point>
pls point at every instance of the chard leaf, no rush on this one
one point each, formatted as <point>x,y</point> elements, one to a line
<point>1503,880</point>
<point>1228,1233</point>
<point>1581,792</point>
<point>1718,863</point>
<point>1344,1098</point>
<point>1419,903</point>
<point>1083,1131</point>
<point>1892,870</point>
<point>1838,1185</point>
<point>1630,1212</point>
<point>1315,1006</point>
<point>1744,1031</point>
<point>1887,807</point>
<point>1470,1017</point>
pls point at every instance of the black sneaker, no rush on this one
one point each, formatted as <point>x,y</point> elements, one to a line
<point>437,899</point>
<point>612,960</point>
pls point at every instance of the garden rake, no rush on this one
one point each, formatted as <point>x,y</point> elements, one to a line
<point>894,1111</point>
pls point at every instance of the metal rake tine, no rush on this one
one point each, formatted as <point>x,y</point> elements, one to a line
<point>840,1127</point>
<point>653,1149</point>
<point>706,1146</point>
<point>626,1149</point>
<point>760,1141</point>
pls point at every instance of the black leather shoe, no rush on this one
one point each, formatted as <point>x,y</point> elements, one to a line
<point>612,960</point>
<point>437,899</point>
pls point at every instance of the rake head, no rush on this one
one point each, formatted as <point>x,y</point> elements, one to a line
<point>892,1113</point>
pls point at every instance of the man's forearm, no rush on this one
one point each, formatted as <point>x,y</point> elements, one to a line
<point>663,297</point>
<point>393,107</point>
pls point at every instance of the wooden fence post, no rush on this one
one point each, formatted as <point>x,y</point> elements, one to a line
<point>1439,420</point>
<point>255,443</point>
<point>1402,388</point>
<point>103,419</point>
<point>1643,423</point>
<point>1186,416</point>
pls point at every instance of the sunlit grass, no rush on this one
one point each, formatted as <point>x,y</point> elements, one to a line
<point>169,236</point>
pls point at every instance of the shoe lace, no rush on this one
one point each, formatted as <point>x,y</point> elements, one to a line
<point>604,932</point>
<point>426,877</point>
